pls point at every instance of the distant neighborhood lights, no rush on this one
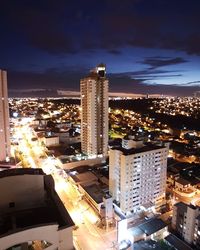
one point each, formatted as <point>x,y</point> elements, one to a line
<point>15,114</point>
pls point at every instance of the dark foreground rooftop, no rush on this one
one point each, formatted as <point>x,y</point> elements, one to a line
<point>21,171</point>
<point>177,243</point>
<point>27,218</point>
<point>52,212</point>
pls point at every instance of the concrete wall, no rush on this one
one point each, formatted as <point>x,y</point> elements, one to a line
<point>46,232</point>
<point>28,191</point>
<point>60,239</point>
<point>65,239</point>
<point>24,190</point>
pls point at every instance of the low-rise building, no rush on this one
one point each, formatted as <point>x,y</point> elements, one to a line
<point>51,141</point>
<point>95,192</point>
<point>184,178</point>
<point>182,185</point>
<point>152,229</point>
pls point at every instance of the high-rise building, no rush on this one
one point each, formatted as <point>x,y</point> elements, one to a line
<point>186,222</point>
<point>4,118</point>
<point>94,115</point>
<point>197,94</point>
<point>137,175</point>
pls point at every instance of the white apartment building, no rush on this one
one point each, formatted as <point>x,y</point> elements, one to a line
<point>4,118</point>
<point>186,221</point>
<point>94,115</point>
<point>137,175</point>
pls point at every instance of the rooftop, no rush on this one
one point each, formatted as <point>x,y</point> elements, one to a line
<point>27,218</point>
<point>21,171</point>
<point>52,211</point>
<point>131,151</point>
<point>183,181</point>
<point>96,192</point>
<point>148,227</point>
<point>83,177</point>
<point>51,136</point>
<point>34,217</point>
<point>135,231</point>
<point>152,226</point>
<point>176,166</point>
<point>181,206</point>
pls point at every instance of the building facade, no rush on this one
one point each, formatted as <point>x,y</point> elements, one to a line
<point>94,114</point>
<point>137,176</point>
<point>4,118</point>
<point>186,222</point>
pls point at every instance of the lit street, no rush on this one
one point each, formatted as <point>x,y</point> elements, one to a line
<point>32,153</point>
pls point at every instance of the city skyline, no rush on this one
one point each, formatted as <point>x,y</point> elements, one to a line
<point>148,46</point>
<point>106,176</point>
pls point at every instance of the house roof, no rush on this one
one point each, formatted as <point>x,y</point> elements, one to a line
<point>152,226</point>
<point>177,243</point>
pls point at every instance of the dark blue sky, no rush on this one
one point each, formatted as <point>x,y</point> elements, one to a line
<point>149,46</point>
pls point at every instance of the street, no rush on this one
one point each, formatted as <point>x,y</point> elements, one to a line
<point>33,154</point>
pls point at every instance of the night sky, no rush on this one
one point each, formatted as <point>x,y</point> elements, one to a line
<point>149,46</point>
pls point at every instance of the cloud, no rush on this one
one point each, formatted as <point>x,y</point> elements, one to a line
<point>69,79</point>
<point>51,78</point>
<point>194,83</point>
<point>115,52</point>
<point>125,83</point>
<point>147,76</point>
<point>193,44</point>
<point>41,24</point>
<point>73,26</point>
<point>156,62</point>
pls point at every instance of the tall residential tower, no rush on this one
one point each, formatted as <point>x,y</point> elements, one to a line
<point>94,115</point>
<point>4,118</point>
